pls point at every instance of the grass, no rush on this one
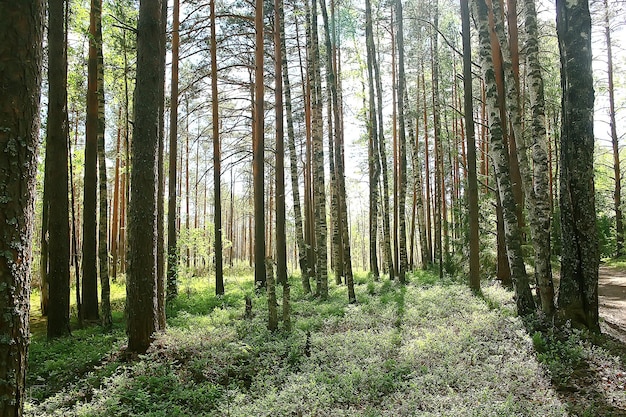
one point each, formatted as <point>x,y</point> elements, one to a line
<point>427,349</point>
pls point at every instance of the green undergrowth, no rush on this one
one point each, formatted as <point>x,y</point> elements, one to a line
<point>424,349</point>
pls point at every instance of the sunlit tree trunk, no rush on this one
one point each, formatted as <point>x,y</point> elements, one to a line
<point>500,157</point>
<point>172,249</point>
<point>23,23</point>
<point>373,161</point>
<point>217,161</point>
<point>472,179</point>
<point>141,288</point>
<point>578,291</point>
<point>89,261</point>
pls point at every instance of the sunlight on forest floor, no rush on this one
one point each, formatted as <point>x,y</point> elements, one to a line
<point>427,349</point>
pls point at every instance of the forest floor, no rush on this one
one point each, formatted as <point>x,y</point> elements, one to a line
<point>428,349</point>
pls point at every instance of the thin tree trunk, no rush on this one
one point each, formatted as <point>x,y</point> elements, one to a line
<point>258,153</point>
<point>172,249</point>
<point>217,161</point>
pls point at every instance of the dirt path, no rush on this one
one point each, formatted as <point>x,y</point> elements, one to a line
<point>612,292</point>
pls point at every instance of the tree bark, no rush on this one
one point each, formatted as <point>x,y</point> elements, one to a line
<point>172,207</point>
<point>578,291</point>
<point>141,288</point>
<point>21,28</point>
<point>500,157</point>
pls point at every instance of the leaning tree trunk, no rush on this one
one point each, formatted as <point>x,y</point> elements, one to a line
<point>578,291</point>
<point>21,29</point>
<point>500,157</point>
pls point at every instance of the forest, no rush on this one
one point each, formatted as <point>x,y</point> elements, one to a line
<point>312,208</point>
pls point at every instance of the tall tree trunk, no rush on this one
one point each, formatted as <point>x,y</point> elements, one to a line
<point>578,292</point>
<point>403,264</point>
<point>103,252</point>
<point>293,161</point>
<point>57,157</point>
<point>115,209</point>
<point>541,211</point>
<point>44,287</point>
<point>319,188</point>
<point>21,28</point>
<point>161,172</point>
<point>439,188</point>
<point>281,234</point>
<point>372,151</point>
<point>141,289</point>
<point>258,152</point>
<point>90,274</point>
<point>172,245</point>
<point>217,161</point>
<point>472,179</point>
<point>500,156</point>
<point>617,194</point>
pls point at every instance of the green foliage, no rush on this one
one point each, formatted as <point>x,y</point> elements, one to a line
<point>560,351</point>
<point>423,346</point>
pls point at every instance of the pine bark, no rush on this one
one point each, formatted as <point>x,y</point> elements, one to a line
<point>89,260</point>
<point>103,252</point>
<point>57,193</point>
<point>172,207</point>
<point>578,291</point>
<point>258,152</point>
<point>21,29</point>
<point>217,161</point>
<point>141,288</point>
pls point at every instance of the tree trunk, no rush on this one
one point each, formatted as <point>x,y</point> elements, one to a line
<point>578,292</point>
<point>141,289</point>
<point>472,179</point>
<point>21,28</point>
<point>217,161</point>
<point>293,160</point>
<point>57,193</point>
<point>403,264</point>
<point>541,212</point>
<point>500,156</point>
<point>172,207</point>
<point>372,151</point>
<point>617,194</point>
<point>103,252</point>
<point>258,153</point>
<point>89,263</point>
<point>439,188</point>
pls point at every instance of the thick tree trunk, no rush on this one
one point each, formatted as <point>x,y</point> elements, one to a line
<point>21,28</point>
<point>141,288</point>
<point>578,291</point>
<point>57,171</point>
